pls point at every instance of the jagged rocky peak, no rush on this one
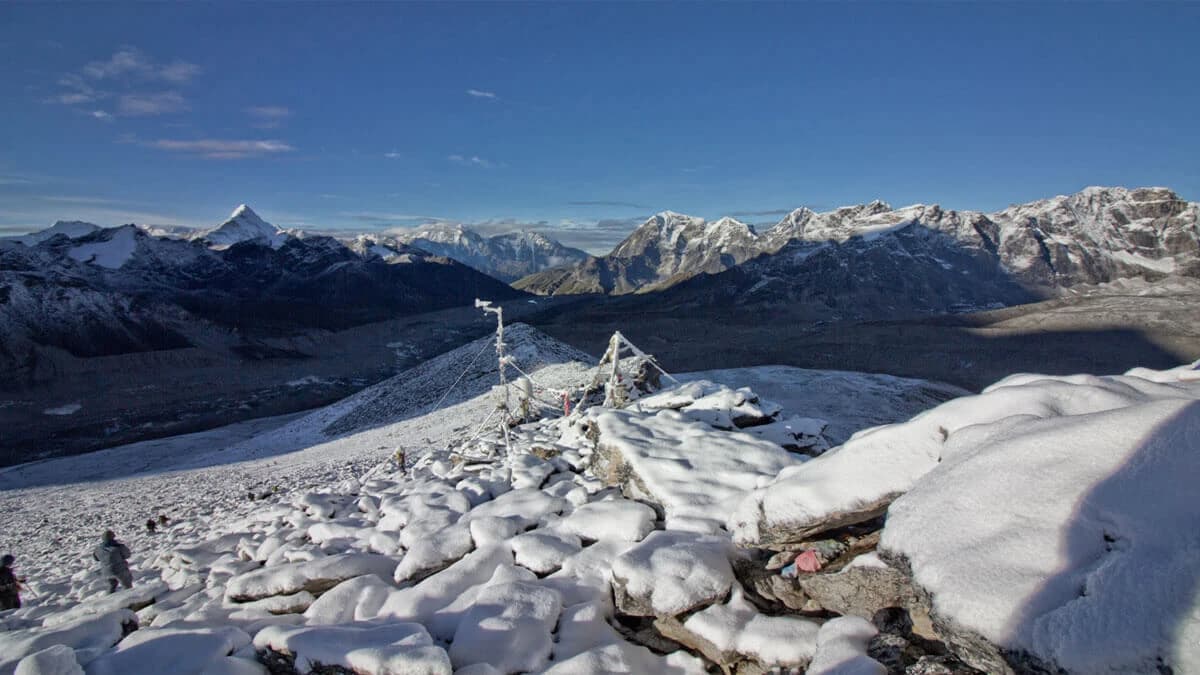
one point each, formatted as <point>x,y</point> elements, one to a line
<point>666,229</point>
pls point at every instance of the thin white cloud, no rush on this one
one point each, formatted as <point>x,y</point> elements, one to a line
<point>101,115</point>
<point>178,72</point>
<point>71,98</point>
<point>479,93</point>
<point>131,62</point>
<point>213,148</point>
<point>73,199</point>
<point>128,68</point>
<point>269,116</point>
<point>393,155</point>
<point>141,105</point>
<point>269,111</point>
<point>77,90</point>
<point>473,160</point>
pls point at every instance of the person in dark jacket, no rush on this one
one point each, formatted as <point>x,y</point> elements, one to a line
<point>10,585</point>
<point>112,556</point>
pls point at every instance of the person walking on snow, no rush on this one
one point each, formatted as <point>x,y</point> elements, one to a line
<point>10,585</point>
<point>112,556</point>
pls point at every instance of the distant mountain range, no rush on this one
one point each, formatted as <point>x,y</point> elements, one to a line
<point>95,291</point>
<point>1094,236</point>
<point>505,256</point>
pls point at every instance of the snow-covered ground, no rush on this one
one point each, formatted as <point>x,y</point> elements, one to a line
<point>312,541</point>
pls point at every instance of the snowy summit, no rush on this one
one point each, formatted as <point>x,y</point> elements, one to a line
<point>244,225</point>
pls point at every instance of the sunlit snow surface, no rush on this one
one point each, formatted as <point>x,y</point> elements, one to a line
<point>301,534</point>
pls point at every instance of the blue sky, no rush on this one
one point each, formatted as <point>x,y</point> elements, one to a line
<point>583,117</point>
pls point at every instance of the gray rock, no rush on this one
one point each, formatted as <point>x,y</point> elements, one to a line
<point>860,591</point>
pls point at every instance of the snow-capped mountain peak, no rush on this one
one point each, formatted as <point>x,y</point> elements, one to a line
<point>244,225</point>
<point>72,229</point>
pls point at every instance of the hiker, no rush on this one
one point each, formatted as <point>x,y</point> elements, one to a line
<point>112,555</point>
<point>10,585</point>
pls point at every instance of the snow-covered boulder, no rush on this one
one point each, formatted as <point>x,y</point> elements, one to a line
<point>440,601</point>
<point>366,648</point>
<point>857,481</point>
<point>735,631</point>
<point>1067,544</point>
<point>842,649</point>
<point>314,576</point>
<point>431,546</point>
<point>88,635</point>
<point>619,519</point>
<point>162,650</point>
<point>696,473</point>
<point>356,599</point>
<point>54,660</point>
<point>510,627</point>
<point>543,552</point>
<point>671,572</point>
<point>133,599</point>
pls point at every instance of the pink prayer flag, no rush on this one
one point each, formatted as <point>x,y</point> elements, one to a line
<point>807,561</point>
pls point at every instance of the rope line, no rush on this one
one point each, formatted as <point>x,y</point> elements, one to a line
<point>437,406</point>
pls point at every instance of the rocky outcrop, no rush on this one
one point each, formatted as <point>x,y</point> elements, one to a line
<point>666,249</point>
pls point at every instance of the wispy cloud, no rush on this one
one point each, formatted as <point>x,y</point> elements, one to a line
<point>212,148</point>
<point>127,69</point>
<point>597,237</point>
<point>74,199</point>
<point>393,155</point>
<point>767,212</point>
<point>9,179</point>
<point>140,105</point>
<point>697,169</point>
<point>269,116</point>
<point>473,160</point>
<point>131,62</point>
<point>479,93</point>
<point>406,220</point>
<point>76,90</point>
<point>605,202</point>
